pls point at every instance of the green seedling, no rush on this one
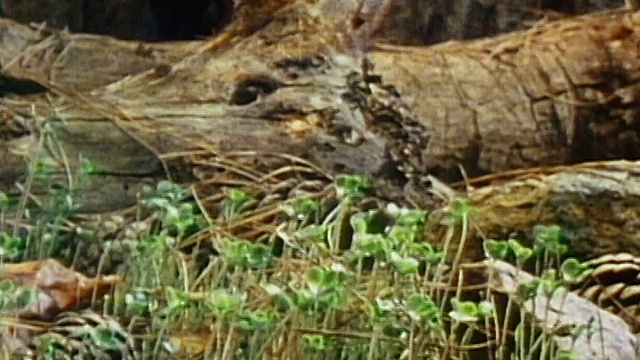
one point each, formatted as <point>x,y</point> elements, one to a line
<point>424,310</point>
<point>257,321</point>
<point>224,303</point>
<point>235,203</point>
<point>404,264</point>
<point>140,303</point>
<point>353,187</point>
<point>12,247</point>
<point>245,254</point>
<point>573,271</point>
<point>302,209</point>
<point>550,238</point>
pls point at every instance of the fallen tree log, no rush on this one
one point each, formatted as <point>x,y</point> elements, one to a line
<point>409,22</point>
<point>311,85</point>
<point>597,205</point>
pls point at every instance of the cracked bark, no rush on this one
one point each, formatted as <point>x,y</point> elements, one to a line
<point>409,21</point>
<point>312,87</point>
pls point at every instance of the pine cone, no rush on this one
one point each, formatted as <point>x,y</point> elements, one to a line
<point>85,335</point>
<point>614,285</point>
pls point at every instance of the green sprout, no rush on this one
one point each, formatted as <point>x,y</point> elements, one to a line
<point>140,303</point>
<point>546,285</point>
<point>42,169</point>
<point>179,218</point>
<point>464,311</point>
<point>302,209</point>
<point>551,238</point>
<point>573,271</point>
<point>88,167</point>
<point>151,247</point>
<point>107,337</point>
<point>14,297</point>
<point>223,302</point>
<point>404,264</point>
<point>460,211</point>
<point>412,219</point>
<point>279,297</point>
<point>316,343</point>
<point>326,289</point>
<point>423,251</point>
<point>4,201</point>
<point>423,309</point>
<point>353,186</point>
<point>166,194</point>
<point>12,247</point>
<point>315,234</point>
<point>245,254</point>
<point>50,347</point>
<point>257,321</point>
<point>522,253</point>
<point>177,300</point>
<point>375,245</point>
<point>370,222</point>
<point>235,203</point>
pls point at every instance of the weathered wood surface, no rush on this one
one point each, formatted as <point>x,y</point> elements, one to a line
<point>561,310</point>
<point>310,85</point>
<point>415,22</point>
<point>597,204</point>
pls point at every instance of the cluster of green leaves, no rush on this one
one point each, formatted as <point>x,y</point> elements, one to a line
<point>549,247</point>
<point>401,243</point>
<point>245,254</point>
<point>326,288</point>
<point>235,203</point>
<point>42,227</point>
<point>14,297</point>
<point>178,218</point>
<point>388,251</point>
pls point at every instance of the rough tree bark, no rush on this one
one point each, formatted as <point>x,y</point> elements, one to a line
<point>314,85</point>
<point>415,22</point>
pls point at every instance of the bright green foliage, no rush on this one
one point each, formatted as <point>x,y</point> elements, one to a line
<point>551,238</point>
<point>302,209</point>
<point>140,303</point>
<point>12,247</point>
<point>13,297</point>
<point>468,311</point>
<point>244,254</point>
<point>235,203</point>
<point>387,301</point>
<point>177,300</point>
<point>573,271</point>
<point>253,321</point>
<point>425,310</point>
<point>353,187</point>
<point>459,212</point>
<point>223,302</point>
<point>404,264</point>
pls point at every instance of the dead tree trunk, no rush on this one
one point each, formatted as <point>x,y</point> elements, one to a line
<point>317,87</point>
<point>417,22</point>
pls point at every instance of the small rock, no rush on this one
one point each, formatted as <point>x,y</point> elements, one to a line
<point>612,339</point>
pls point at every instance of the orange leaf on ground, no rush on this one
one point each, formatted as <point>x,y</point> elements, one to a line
<point>56,287</point>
